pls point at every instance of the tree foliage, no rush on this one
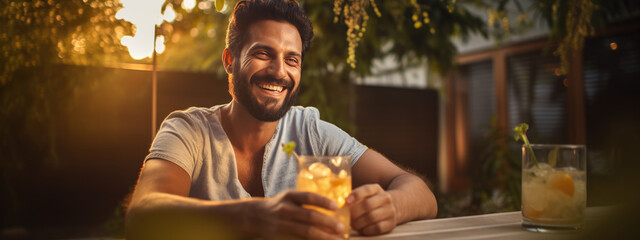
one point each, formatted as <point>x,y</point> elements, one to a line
<point>46,32</point>
<point>570,21</point>
<point>35,38</point>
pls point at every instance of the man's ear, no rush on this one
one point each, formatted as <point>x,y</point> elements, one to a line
<point>227,60</point>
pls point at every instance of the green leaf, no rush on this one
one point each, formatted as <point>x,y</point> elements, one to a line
<point>520,133</point>
<point>520,130</point>
<point>289,147</point>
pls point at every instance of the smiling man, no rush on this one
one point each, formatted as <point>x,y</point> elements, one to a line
<point>219,172</point>
<point>265,90</point>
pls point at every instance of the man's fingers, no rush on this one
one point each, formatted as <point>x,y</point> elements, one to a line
<point>360,208</point>
<point>363,192</point>
<point>308,198</point>
<point>306,231</point>
<point>378,228</point>
<point>372,210</point>
<point>373,217</point>
<point>313,217</point>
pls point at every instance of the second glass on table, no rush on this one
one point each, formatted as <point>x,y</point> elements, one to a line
<point>329,176</point>
<point>554,191</point>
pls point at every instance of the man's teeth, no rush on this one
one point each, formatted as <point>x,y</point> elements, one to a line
<point>271,87</point>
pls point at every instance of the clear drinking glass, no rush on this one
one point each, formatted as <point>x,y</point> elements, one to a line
<point>329,176</point>
<point>554,187</point>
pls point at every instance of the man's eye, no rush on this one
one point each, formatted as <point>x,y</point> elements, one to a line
<point>262,54</point>
<point>292,60</point>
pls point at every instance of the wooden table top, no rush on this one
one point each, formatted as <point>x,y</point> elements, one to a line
<point>507,225</point>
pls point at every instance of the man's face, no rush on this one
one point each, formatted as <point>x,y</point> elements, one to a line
<point>266,75</point>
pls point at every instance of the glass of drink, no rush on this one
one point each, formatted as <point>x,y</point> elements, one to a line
<point>554,192</point>
<point>329,176</point>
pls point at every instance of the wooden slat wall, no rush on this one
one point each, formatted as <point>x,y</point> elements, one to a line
<point>102,138</point>
<point>400,123</point>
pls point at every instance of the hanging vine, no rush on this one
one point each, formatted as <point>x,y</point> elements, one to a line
<point>578,27</point>
<point>570,22</point>
<point>355,17</point>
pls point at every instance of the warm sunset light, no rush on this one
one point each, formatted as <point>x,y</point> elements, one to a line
<point>169,14</point>
<point>160,44</point>
<point>188,5</point>
<point>145,15</point>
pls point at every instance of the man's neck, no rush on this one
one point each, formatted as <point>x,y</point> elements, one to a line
<point>246,133</point>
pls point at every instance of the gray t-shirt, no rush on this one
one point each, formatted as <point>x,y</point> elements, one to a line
<point>195,140</point>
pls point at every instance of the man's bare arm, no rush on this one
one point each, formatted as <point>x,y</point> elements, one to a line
<point>160,199</point>
<point>160,209</point>
<point>413,198</point>
<point>385,195</point>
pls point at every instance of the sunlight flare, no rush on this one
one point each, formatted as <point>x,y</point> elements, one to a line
<point>188,5</point>
<point>145,16</point>
<point>169,14</point>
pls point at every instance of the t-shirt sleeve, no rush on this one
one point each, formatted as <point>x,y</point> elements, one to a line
<point>178,141</point>
<point>333,141</point>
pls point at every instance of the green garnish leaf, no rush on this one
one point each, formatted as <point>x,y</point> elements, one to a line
<point>520,133</point>
<point>289,147</point>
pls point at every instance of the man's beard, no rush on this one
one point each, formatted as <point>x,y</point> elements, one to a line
<point>242,93</point>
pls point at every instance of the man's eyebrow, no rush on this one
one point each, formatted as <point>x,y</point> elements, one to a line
<point>268,48</point>
<point>260,46</point>
<point>294,53</point>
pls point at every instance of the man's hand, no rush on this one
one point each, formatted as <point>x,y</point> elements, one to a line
<point>372,210</point>
<point>283,216</point>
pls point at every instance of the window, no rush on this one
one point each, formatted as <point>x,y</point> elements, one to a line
<point>522,84</point>
<point>537,96</point>
<point>481,104</point>
<point>612,94</point>
<point>515,84</point>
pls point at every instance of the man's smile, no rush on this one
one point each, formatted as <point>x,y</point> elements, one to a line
<point>270,87</point>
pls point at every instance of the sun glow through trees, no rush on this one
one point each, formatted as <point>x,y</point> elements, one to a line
<point>145,16</point>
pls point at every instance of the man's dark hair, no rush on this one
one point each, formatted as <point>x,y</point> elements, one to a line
<point>247,12</point>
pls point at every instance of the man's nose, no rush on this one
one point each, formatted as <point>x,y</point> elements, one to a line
<point>277,69</point>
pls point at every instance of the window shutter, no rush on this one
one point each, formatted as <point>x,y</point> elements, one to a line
<point>612,92</point>
<point>537,96</point>
<point>482,104</point>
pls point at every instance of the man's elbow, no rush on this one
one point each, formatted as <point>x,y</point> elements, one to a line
<point>134,224</point>
<point>144,222</point>
<point>428,198</point>
<point>161,218</point>
<point>432,210</point>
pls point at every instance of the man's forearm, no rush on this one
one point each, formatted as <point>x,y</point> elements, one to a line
<point>412,198</point>
<point>167,216</point>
